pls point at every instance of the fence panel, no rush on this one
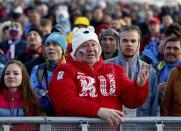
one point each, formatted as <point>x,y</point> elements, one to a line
<point>66,127</point>
<point>139,127</point>
<point>88,124</point>
<point>172,126</point>
<point>24,127</point>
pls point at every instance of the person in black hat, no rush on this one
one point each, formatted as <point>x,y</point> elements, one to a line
<point>34,48</point>
<point>109,41</point>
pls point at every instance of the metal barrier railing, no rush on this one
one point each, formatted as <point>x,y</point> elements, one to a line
<point>88,124</point>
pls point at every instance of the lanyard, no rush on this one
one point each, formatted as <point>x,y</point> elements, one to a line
<point>12,110</point>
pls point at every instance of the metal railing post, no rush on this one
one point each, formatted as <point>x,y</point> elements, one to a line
<point>48,127</point>
<point>159,126</point>
<point>45,126</point>
<point>42,127</point>
<point>6,127</point>
<point>84,126</point>
<point>121,127</point>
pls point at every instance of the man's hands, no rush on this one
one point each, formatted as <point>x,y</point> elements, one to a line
<point>143,75</point>
<point>114,117</point>
<point>162,85</point>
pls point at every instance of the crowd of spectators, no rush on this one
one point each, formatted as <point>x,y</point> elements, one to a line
<point>134,37</point>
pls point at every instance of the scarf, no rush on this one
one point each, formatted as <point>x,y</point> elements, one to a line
<point>11,50</point>
<point>165,73</point>
<point>31,51</point>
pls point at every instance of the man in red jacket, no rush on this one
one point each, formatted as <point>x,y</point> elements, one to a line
<point>86,86</point>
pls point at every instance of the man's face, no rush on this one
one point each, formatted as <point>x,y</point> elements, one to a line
<point>167,20</point>
<point>53,52</point>
<point>34,38</point>
<point>34,17</point>
<point>46,30</point>
<point>129,43</point>
<point>98,14</point>
<point>172,51</point>
<point>154,28</point>
<point>149,15</point>
<point>15,30</point>
<point>115,24</point>
<point>108,44</point>
<point>88,53</point>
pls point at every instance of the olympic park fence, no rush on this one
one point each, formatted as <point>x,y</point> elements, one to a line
<point>88,124</point>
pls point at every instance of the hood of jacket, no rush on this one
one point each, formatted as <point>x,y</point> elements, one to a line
<point>131,65</point>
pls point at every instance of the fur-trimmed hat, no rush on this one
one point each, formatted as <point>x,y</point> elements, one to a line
<point>82,35</point>
<point>57,38</point>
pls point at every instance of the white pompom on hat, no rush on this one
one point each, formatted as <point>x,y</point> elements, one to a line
<point>82,35</point>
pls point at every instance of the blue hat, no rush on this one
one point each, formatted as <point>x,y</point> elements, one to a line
<point>66,22</point>
<point>57,38</point>
<point>58,28</point>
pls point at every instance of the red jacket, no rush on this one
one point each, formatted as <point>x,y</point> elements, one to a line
<point>79,90</point>
<point>11,104</point>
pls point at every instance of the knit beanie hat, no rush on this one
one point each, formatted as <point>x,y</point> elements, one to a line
<point>58,28</point>
<point>100,27</point>
<point>67,25</point>
<point>36,30</point>
<point>109,32</point>
<point>81,21</point>
<point>57,38</point>
<point>82,35</point>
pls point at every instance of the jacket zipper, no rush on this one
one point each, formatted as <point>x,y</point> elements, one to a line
<point>12,99</point>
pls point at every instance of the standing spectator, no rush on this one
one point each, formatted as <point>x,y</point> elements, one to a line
<point>116,24</point>
<point>172,58</point>
<point>128,57</point>
<point>88,82</point>
<point>4,31</point>
<point>46,26</point>
<point>127,19</point>
<point>173,30</point>
<point>34,48</point>
<point>153,34</point>
<point>101,28</point>
<point>172,98</point>
<point>153,52</point>
<point>97,17</point>
<point>39,60</point>
<point>144,25</point>
<point>65,23</point>
<point>166,21</point>
<point>34,19</point>
<point>16,95</point>
<point>109,40</point>
<point>54,48</point>
<point>14,46</point>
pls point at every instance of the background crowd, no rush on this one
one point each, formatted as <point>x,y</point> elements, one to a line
<point>40,35</point>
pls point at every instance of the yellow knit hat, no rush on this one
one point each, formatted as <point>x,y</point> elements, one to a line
<point>82,21</point>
